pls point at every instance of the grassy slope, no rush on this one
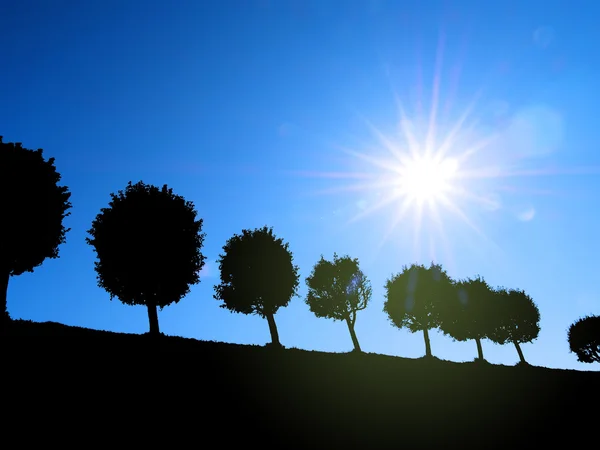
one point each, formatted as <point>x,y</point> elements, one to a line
<point>291,398</point>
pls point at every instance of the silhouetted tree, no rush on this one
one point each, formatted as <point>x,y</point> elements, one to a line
<point>415,298</point>
<point>517,320</point>
<point>584,339</point>
<point>258,275</point>
<point>337,290</point>
<point>472,314</point>
<point>33,207</point>
<point>148,243</point>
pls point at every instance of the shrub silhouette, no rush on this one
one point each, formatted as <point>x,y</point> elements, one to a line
<point>584,339</point>
<point>337,290</point>
<point>472,314</point>
<point>518,319</point>
<point>415,299</point>
<point>148,243</point>
<point>33,209</point>
<point>258,275</point>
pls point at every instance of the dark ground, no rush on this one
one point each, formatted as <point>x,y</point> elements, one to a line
<point>70,386</point>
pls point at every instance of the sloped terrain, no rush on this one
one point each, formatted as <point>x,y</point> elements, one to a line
<point>172,391</point>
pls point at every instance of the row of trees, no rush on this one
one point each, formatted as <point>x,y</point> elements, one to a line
<point>148,242</point>
<point>421,298</point>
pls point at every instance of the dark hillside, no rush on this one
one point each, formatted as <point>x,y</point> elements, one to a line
<point>216,394</point>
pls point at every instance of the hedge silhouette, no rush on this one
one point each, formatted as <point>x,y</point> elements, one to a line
<point>33,209</point>
<point>258,275</point>
<point>148,243</point>
<point>337,290</point>
<point>584,339</point>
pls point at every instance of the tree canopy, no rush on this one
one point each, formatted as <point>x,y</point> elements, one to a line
<point>337,290</point>
<point>518,319</point>
<point>415,298</point>
<point>34,206</point>
<point>258,275</point>
<point>148,243</point>
<point>584,339</point>
<point>472,314</point>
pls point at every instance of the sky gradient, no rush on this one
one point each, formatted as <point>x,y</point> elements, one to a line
<point>293,114</point>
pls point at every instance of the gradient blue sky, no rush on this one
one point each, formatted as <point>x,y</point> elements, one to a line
<point>270,112</point>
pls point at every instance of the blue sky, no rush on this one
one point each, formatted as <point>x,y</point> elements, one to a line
<point>278,113</point>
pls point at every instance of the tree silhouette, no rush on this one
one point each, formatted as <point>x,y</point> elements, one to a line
<point>518,319</point>
<point>337,290</point>
<point>415,299</point>
<point>148,243</point>
<point>584,339</point>
<point>258,275</point>
<point>472,314</point>
<point>33,209</point>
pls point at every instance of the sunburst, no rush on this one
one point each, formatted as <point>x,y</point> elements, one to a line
<point>418,180</point>
<point>424,177</point>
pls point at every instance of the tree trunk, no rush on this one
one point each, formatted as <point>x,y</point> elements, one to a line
<point>153,319</point>
<point>4,277</point>
<point>273,329</point>
<point>518,347</point>
<point>353,335</point>
<point>427,343</point>
<point>479,349</point>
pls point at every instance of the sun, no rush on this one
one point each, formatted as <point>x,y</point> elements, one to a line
<point>426,179</point>
<point>438,174</point>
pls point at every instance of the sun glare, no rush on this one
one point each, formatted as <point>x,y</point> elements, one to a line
<point>426,179</point>
<point>435,168</point>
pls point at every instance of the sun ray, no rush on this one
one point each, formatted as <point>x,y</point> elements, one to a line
<point>393,224</point>
<point>405,131</point>
<point>358,187</point>
<point>498,172</point>
<point>387,143</point>
<point>332,174</point>
<point>461,214</point>
<point>529,191</point>
<point>417,231</point>
<point>432,252</point>
<point>479,199</point>
<point>377,206</point>
<point>476,147</point>
<point>381,163</point>
<point>549,171</point>
<point>443,237</point>
<point>430,140</point>
<point>450,205</point>
<point>449,141</point>
<point>413,145</point>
